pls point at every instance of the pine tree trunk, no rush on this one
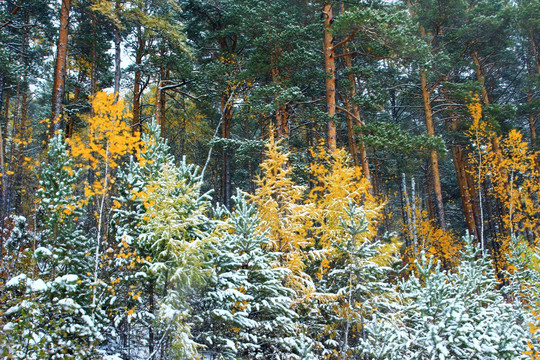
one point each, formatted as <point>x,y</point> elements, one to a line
<point>117,54</point>
<point>355,110</point>
<point>93,55</point>
<point>137,88</point>
<point>60,69</point>
<point>465,191</point>
<point>226,172</point>
<point>535,52</point>
<point>433,154</point>
<point>282,120</point>
<point>426,97</point>
<point>330,70</point>
<point>160,98</point>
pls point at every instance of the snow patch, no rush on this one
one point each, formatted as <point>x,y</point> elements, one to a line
<point>38,285</point>
<point>16,280</point>
<point>43,252</point>
<point>69,278</point>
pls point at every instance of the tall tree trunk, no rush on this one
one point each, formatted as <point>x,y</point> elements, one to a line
<point>93,55</point>
<point>467,201</point>
<point>137,88</point>
<point>160,96</point>
<point>60,69</point>
<point>117,54</point>
<point>433,153</point>
<point>426,97</point>
<point>330,70</point>
<point>355,110</point>
<point>535,52</point>
<point>226,110</point>
<point>282,117</point>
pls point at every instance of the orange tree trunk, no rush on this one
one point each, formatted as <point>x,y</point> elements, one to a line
<point>137,88</point>
<point>60,69</point>
<point>330,70</point>
<point>433,154</point>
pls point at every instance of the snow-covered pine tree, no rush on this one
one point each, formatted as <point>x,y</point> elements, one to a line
<point>51,314</point>
<point>523,288</point>
<point>450,315</point>
<point>160,227</point>
<point>358,280</point>
<point>245,311</point>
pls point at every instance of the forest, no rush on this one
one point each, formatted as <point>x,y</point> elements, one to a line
<point>270,179</point>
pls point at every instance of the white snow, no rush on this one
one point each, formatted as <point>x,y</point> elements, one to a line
<point>112,357</point>
<point>42,252</point>
<point>70,278</point>
<point>16,280</point>
<point>38,285</point>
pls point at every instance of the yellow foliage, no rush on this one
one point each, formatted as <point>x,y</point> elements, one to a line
<point>534,350</point>
<point>109,136</point>
<point>337,184</point>
<point>443,245</point>
<point>282,212</point>
<point>509,168</point>
<point>107,140</point>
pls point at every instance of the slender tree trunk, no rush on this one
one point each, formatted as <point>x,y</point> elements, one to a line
<point>226,172</point>
<point>355,110</point>
<point>137,88</point>
<point>60,69</point>
<point>282,120</point>
<point>426,97</point>
<point>466,194</point>
<point>330,70</point>
<point>480,77</point>
<point>535,52</point>
<point>117,54</point>
<point>160,97</point>
<point>93,55</point>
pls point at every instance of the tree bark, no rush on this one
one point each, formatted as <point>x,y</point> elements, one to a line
<point>282,117</point>
<point>117,54</point>
<point>433,154</point>
<point>137,88</point>
<point>426,98</point>
<point>60,69</point>
<point>93,55</point>
<point>460,166</point>
<point>355,120</point>
<point>160,97</point>
<point>226,110</point>
<point>330,70</point>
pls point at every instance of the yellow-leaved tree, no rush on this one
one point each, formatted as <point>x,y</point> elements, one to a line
<point>443,245</point>
<point>337,184</point>
<point>284,214</point>
<point>506,172</point>
<point>354,262</point>
<point>105,142</point>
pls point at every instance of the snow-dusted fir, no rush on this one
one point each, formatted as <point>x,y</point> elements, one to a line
<point>450,315</point>
<point>51,314</point>
<point>161,227</point>
<point>356,283</point>
<point>246,309</point>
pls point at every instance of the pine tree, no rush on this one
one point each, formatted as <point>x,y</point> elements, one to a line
<point>53,297</point>
<point>246,310</point>
<point>450,315</point>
